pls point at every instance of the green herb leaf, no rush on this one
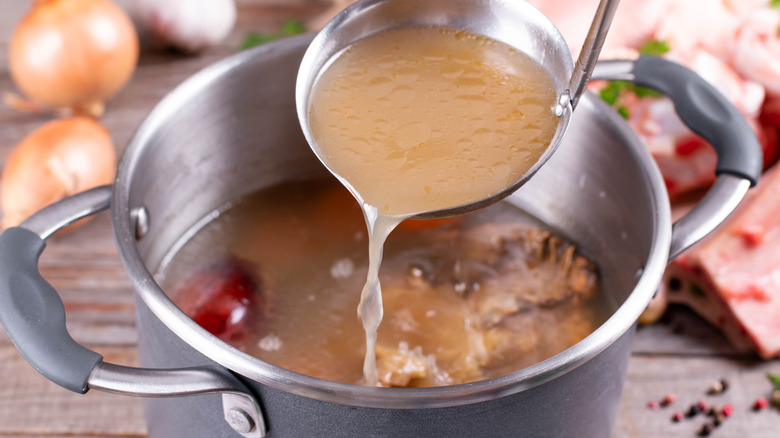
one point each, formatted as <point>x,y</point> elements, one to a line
<point>775,378</point>
<point>612,91</point>
<point>289,28</point>
<point>644,92</point>
<point>293,27</point>
<point>256,39</point>
<point>774,4</point>
<point>657,47</point>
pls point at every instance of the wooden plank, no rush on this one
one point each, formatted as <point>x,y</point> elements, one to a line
<point>681,354</point>
<point>650,378</point>
<point>30,405</point>
<point>98,295</point>
<point>682,332</point>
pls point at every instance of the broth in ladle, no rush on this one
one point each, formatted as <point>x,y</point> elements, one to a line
<point>422,119</point>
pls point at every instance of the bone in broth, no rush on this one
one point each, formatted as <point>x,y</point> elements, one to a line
<point>422,119</point>
<point>279,274</point>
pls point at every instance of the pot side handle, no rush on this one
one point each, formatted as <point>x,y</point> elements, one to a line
<point>34,318</point>
<point>709,114</point>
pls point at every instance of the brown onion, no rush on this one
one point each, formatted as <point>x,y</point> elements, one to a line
<point>61,158</point>
<point>73,53</point>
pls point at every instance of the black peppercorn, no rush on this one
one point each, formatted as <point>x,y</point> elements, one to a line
<point>705,430</point>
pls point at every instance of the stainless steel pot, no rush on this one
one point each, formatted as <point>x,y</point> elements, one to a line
<point>231,130</point>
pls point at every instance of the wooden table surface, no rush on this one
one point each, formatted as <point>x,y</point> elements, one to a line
<point>682,354</point>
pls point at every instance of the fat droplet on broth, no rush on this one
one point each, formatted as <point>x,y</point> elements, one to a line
<point>470,84</point>
<point>451,71</point>
<point>406,75</point>
<point>449,118</point>
<point>412,135</point>
<point>402,95</point>
<point>342,268</point>
<point>381,85</point>
<point>476,104</point>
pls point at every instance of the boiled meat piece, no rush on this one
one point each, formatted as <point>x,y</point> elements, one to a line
<point>732,278</point>
<point>539,270</point>
<point>399,367</point>
<point>495,298</point>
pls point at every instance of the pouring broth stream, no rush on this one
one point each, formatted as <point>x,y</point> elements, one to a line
<point>422,119</point>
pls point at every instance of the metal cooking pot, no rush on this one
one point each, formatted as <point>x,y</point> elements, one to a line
<point>231,130</point>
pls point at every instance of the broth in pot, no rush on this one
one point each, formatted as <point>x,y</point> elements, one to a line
<point>279,275</point>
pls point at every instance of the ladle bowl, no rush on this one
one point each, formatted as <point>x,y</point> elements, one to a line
<point>515,23</point>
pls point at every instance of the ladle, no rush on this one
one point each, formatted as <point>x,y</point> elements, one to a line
<point>514,22</point>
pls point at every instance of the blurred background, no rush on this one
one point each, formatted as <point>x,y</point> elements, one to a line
<point>732,43</point>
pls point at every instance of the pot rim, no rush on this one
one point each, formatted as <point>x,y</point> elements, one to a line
<point>265,373</point>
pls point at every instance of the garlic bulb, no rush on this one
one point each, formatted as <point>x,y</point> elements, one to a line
<point>187,25</point>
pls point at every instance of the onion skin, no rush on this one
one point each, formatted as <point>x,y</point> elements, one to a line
<point>73,53</point>
<point>59,159</point>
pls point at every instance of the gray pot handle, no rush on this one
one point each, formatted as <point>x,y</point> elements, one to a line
<point>34,318</point>
<point>709,114</point>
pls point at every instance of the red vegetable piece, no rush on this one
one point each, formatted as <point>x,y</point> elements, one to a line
<point>688,145</point>
<point>770,122</point>
<point>760,403</point>
<point>223,298</point>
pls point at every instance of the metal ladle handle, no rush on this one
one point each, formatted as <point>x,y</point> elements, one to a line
<point>591,49</point>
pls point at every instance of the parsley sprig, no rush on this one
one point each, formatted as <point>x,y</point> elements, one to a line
<point>775,378</point>
<point>658,47</point>
<point>289,28</point>
<point>615,89</point>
